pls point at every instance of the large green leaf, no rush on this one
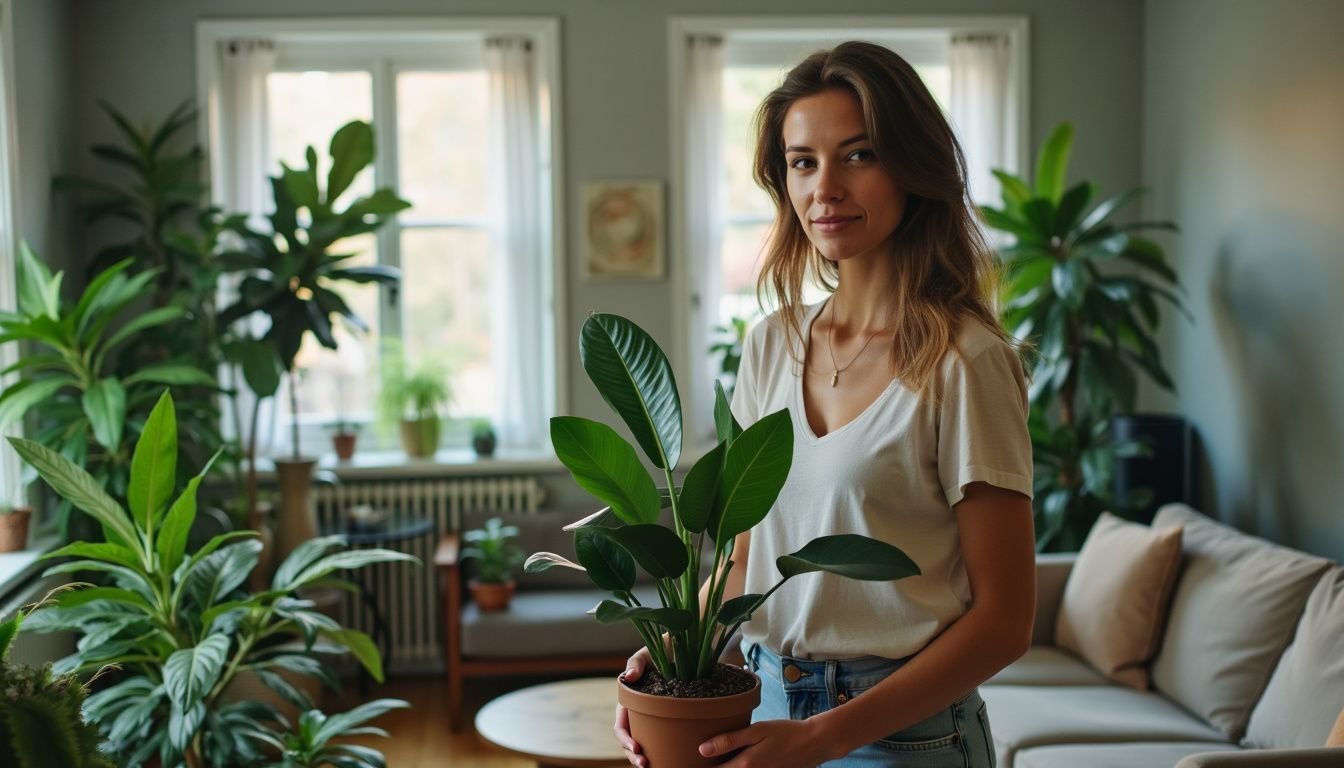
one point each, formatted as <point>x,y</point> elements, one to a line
<point>739,609</point>
<point>150,319</point>
<point>1071,280</point>
<point>154,463</point>
<point>16,400</point>
<point>351,151</point>
<point>102,550</point>
<point>341,724</point>
<point>675,619</point>
<point>173,374</point>
<point>606,466</point>
<point>80,489</point>
<point>610,567</point>
<point>695,506</point>
<point>1071,206</point>
<point>105,405</point>
<point>725,424</point>
<point>633,376</point>
<point>347,561</point>
<point>1014,190</point>
<point>171,541</point>
<point>754,471</point>
<point>363,649</point>
<point>851,556</point>
<point>301,557</point>
<point>184,723</point>
<point>261,367</point>
<point>1109,206</point>
<point>658,550</point>
<point>35,282</point>
<point>1052,165</point>
<point>190,673</point>
<point>217,575</point>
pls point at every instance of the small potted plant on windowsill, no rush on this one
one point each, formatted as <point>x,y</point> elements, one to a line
<point>483,439</point>
<point>14,523</point>
<point>495,557</point>
<point>343,437</point>
<point>413,397</point>
<point>727,492</point>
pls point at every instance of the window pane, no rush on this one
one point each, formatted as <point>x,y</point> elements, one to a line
<point>441,125</point>
<point>307,108</point>
<point>743,91</point>
<point>740,265</point>
<point>343,383</point>
<point>446,310</point>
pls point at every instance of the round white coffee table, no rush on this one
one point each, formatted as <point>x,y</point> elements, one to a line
<point>557,724</point>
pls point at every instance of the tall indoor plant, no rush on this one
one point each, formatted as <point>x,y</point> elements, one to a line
<point>176,622</point>
<point>292,270</point>
<point>1092,326</point>
<point>727,492</point>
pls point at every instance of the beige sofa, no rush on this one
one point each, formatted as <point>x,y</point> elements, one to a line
<point>1249,671</point>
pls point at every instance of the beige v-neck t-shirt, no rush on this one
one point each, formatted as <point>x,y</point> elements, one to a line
<point>894,473</point>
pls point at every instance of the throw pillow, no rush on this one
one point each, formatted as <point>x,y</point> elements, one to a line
<point>1306,688</point>
<point>1116,598</point>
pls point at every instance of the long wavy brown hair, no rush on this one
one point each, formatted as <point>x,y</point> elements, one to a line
<point>945,269</point>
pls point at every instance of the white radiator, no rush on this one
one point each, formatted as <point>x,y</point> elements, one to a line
<point>407,595</point>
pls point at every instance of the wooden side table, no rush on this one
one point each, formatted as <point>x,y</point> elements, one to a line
<point>557,724</point>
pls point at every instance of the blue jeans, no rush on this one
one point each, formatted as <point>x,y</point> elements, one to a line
<point>796,689</point>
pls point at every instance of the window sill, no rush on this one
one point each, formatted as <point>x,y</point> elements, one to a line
<point>17,567</point>
<point>446,463</point>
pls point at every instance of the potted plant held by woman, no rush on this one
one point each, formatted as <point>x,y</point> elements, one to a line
<point>689,696</point>
<point>495,557</point>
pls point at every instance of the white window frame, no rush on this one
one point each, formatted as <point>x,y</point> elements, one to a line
<point>825,31</point>
<point>9,240</point>
<point>360,44</point>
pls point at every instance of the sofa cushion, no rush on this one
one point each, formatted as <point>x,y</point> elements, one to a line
<point>1141,755</point>
<point>1115,603</point>
<point>1306,691</point>
<point>1025,716</point>
<point>1047,665</point>
<point>1236,604</point>
<point>549,622</point>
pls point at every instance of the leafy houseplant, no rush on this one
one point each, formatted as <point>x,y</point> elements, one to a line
<point>14,524</point>
<point>177,623</point>
<point>495,557</point>
<point>1092,326</point>
<point>90,413</point>
<point>733,336</point>
<point>40,719</point>
<point>412,396</point>
<point>310,746</point>
<point>725,493</point>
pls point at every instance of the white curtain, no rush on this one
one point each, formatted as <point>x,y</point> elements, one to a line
<point>518,301</point>
<point>983,114</point>
<point>703,204</point>
<point>240,164</point>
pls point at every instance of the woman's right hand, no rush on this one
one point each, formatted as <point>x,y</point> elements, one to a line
<point>634,669</point>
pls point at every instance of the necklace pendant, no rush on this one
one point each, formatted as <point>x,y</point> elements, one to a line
<point>834,378</point>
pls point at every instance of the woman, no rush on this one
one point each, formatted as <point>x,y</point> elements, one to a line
<point>909,409</point>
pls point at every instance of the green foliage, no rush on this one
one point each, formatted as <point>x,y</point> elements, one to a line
<point>88,412</point>
<point>40,721</point>
<point>495,555</point>
<point>411,390</point>
<point>156,210</point>
<point>728,491</point>
<point>291,269</point>
<point>176,622</point>
<point>1092,326</point>
<point>310,746</point>
<point>732,336</point>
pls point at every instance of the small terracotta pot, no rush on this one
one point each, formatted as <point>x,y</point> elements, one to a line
<point>492,595</point>
<point>670,730</point>
<point>14,529</point>
<point>344,445</point>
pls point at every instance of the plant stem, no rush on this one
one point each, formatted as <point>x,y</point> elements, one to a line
<point>294,409</point>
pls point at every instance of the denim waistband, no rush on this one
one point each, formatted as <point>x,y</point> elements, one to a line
<point>820,674</point>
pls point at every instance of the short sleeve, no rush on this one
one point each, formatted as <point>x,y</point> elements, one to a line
<point>745,405</point>
<point>982,423</point>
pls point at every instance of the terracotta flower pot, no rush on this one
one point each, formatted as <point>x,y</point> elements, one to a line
<point>14,529</point>
<point>344,445</point>
<point>670,730</point>
<point>492,595</point>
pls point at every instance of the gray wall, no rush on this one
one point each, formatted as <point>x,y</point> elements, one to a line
<point>139,55</point>
<point>44,134</point>
<point>1244,148</point>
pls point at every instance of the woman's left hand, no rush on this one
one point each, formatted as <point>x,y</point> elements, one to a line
<point>772,743</point>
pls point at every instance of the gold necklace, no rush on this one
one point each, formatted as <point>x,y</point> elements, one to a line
<point>830,347</point>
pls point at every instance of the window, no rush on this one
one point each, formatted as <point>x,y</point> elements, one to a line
<point>722,71</point>
<point>10,486</point>
<point>440,97</point>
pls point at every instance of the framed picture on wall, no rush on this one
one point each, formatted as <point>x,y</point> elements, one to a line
<point>623,230</point>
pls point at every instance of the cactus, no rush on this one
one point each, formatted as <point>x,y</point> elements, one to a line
<point>41,725</point>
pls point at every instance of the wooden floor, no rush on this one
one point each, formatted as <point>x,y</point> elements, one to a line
<point>420,737</point>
